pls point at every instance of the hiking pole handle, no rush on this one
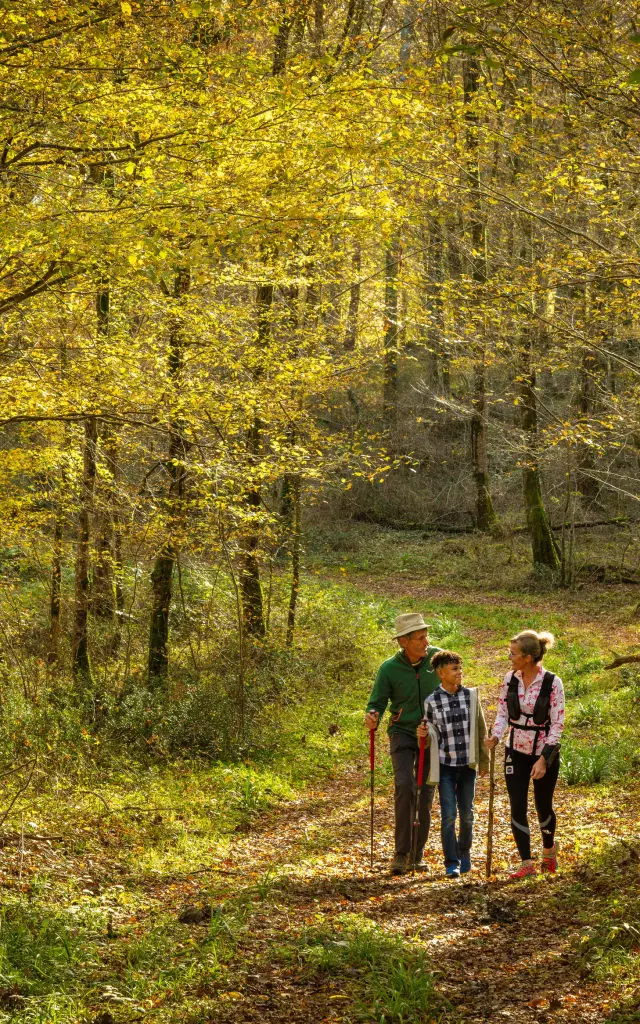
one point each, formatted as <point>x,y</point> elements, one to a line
<point>372,749</point>
<point>492,787</point>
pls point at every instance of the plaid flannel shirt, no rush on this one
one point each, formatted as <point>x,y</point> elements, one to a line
<point>449,712</point>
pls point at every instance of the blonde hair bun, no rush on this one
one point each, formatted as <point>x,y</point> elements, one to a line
<point>548,639</point>
<point>535,644</point>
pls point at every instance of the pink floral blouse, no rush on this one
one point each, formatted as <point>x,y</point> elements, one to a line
<point>523,741</point>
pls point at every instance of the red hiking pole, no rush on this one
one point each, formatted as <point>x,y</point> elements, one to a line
<point>416,816</point>
<point>372,763</point>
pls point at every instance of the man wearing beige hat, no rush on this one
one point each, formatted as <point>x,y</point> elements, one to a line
<point>405,681</point>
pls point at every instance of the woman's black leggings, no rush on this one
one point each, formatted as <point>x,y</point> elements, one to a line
<point>517,774</point>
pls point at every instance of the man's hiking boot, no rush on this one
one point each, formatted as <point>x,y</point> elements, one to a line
<point>526,868</point>
<point>421,864</point>
<point>550,860</point>
<point>400,864</point>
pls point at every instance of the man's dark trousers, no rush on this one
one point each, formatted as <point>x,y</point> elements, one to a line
<point>404,757</point>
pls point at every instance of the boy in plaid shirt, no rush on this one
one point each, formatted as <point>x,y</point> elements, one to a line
<point>456,714</point>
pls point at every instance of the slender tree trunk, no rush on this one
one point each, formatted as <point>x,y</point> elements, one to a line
<point>55,600</point>
<point>590,376</point>
<point>162,573</point>
<point>351,333</point>
<point>290,296</point>
<point>485,514</point>
<point>103,596</point>
<point>393,256</point>
<point>249,575</point>
<point>437,363</point>
<point>81,663</point>
<point>250,586</point>
<point>544,547</point>
<point>103,593</point>
<point>295,560</point>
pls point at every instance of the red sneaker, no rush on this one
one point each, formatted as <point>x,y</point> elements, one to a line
<point>526,868</point>
<point>550,860</point>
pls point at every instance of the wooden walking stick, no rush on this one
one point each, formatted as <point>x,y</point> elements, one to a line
<point>372,762</point>
<point>492,788</point>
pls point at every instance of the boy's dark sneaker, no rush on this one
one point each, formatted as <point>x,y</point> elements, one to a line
<point>452,871</point>
<point>465,863</point>
<point>400,864</point>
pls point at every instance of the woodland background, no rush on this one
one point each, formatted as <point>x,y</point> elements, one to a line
<point>310,313</point>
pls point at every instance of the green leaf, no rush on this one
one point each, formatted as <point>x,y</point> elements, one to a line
<point>635,38</point>
<point>448,32</point>
<point>463,48</point>
<point>634,77</point>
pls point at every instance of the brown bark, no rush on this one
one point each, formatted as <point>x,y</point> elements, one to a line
<point>55,600</point>
<point>162,574</point>
<point>544,547</point>
<point>81,662</point>
<point>250,586</point>
<point>393,256</point>
<point>351,333</point>
<point>295,560</point>
<point>485,514</point>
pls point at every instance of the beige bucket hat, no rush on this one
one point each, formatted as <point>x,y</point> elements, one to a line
<point>408,622</point>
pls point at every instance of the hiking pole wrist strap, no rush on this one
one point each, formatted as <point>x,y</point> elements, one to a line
<point>550,751</point>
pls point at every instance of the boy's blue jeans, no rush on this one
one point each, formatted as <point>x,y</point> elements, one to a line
<point>457,791</point>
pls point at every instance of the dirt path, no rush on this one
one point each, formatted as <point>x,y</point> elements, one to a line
<point>500,950</point>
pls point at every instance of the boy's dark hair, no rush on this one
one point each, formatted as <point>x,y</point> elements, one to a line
<point>443,658</point>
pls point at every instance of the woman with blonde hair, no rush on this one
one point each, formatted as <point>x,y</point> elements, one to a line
<point>531,708</point>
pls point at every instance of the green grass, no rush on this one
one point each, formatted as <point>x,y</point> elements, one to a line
<point>394,983</point>
<point>607,895</point>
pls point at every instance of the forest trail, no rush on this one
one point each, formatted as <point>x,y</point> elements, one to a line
<point>499,950</point>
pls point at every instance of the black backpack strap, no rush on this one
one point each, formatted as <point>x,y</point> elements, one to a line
<point>541,710</point>
<point>513,699</point>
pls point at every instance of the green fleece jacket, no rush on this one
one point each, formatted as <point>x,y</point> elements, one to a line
<point>398,683</point>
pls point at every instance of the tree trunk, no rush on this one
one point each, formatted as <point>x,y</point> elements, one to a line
<point>250,587</point>
<point>103,596</point>
<point>290,297</point>
<point>485,514</point>
<point>351,333</point>
<point>162,574</point>
<point>590,375</point>
<point>393,256</point>
<point>55,600</point>
<point>81,663</point>
<point>295,560</point>
<point>249,575</point>
<point>437,363</point>
<point>544,547</point>
<point>161,588</point>
<point>103,593</point>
